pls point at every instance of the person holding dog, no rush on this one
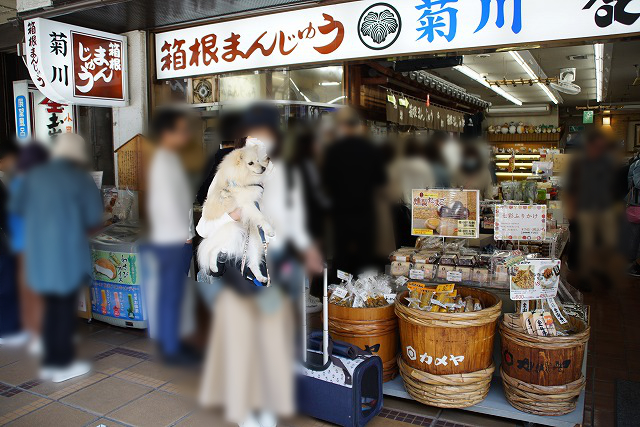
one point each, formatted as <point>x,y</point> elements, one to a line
<point>249,362</point>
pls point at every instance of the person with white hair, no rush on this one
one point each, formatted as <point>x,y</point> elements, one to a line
<point>60,205</point>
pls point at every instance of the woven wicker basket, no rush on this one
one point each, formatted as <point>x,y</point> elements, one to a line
<point>446,391</point>
<point>543,375</point>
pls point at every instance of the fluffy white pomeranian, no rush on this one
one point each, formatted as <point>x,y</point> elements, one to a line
<point>237,184</point>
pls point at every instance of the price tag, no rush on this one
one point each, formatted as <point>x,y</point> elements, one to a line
<point>449,287</point>
<point>416,274</point>
<point>343,275</point>
<point>401,280</point>
<point>416,286</point>
<point>454,276</point>
<point>390,298</point>
<point>340,292</point>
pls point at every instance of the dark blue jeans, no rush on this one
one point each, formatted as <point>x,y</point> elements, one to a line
<point>9,307</point>
<point>173,267</point>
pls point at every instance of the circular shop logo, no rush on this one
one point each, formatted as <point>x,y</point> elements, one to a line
<point>379,26</point>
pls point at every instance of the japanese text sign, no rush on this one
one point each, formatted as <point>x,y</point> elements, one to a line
<point>520,222</point>
<point>534,279</point>
<point>370,28</point>
<point>445,213</point>
<point>75,65</point>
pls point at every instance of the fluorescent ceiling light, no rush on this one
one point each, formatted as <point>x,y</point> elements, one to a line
<point>299,91</point>
<point>513,110</point>
<point>337,99</point>
<point>329,83</point>
<point>598,50</point>
<point>477,77</point>
<point>533,75</point>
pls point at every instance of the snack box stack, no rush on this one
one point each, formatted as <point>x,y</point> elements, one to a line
<point>473,267</point>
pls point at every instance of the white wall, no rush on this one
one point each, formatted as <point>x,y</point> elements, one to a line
<point>131,120</point>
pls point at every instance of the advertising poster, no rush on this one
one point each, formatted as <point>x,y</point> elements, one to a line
<point>534,279</point>
<point>520,222</point>
<point>114,267</point>
<point>445,213</point>
<point>115,300</point>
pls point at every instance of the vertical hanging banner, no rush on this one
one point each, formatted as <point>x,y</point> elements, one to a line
<point>372,28</point>
<point>22,107</point>
<point>76,65</point>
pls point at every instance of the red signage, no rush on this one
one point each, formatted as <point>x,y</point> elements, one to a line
<point>97,67</point>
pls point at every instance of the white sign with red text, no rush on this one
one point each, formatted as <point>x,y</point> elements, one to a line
<point>371,28</point>
<point>76,65</point>
<point>520,222</point>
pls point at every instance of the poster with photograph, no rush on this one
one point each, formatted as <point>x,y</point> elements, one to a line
<point>520,222</point>
<point>445,213</point>
<point>534,279</point>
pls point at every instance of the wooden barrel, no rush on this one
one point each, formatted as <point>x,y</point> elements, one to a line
<point>543,375</point>
<point>446,358</point>
<point>449,343</point>
<point>374,329</point>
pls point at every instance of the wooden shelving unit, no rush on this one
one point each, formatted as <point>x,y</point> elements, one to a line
<point>524,137</point>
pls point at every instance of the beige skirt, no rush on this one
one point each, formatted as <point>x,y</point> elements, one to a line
<point>249,362</point>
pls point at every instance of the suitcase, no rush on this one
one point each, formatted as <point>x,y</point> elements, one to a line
<point>337,382</point>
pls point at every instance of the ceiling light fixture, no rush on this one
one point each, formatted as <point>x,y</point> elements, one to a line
<point>337,99</point>
<point>527,69</point>
<point>477,77</point>
<point>329,83</point>
<point>598,50</point>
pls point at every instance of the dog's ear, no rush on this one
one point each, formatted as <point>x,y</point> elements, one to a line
<point>239,157</point>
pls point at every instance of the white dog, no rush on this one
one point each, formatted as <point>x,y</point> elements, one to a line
<point>237,184</point>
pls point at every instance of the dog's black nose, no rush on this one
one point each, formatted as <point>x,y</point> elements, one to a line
<point>263,169</point>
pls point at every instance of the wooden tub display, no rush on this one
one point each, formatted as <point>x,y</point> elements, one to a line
<point>374,329</point>
<point>446,358</point>
<point>542,375</point>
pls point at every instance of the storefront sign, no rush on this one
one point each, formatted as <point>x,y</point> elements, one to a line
<point>445,213</point>
<point>411,112</point>
<point>75,65</point>
<point>370,28</point>
<point>534,279</point>
<point>22,105</point>
<point>520,222</point>
<point>587,116</point>
<point>51,118</point>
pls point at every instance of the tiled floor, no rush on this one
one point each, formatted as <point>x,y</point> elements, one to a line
<point>128,386</point>
<point>613,348</point>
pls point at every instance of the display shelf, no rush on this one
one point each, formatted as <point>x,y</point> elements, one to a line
<point>496,405</point>
<point>524,137</point>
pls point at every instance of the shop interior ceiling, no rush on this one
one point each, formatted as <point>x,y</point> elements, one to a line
<point>501,65</point>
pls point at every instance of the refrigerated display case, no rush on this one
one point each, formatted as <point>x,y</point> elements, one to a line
<point>116,287</point>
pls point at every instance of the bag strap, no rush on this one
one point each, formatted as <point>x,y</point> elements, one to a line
<point>246,248</point>
<point>348,380</point>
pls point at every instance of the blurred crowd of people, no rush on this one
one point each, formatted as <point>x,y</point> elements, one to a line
<point>334,195</point>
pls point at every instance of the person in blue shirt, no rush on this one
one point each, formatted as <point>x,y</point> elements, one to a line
<point>61,205</point>
<point>9,313</point>
<point>31,155</point>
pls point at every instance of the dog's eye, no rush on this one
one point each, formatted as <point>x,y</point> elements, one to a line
<point>250,163</point>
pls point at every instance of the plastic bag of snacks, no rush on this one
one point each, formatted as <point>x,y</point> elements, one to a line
<point>441,299</point>
<point>544,317</point>
<point>368,291</point>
